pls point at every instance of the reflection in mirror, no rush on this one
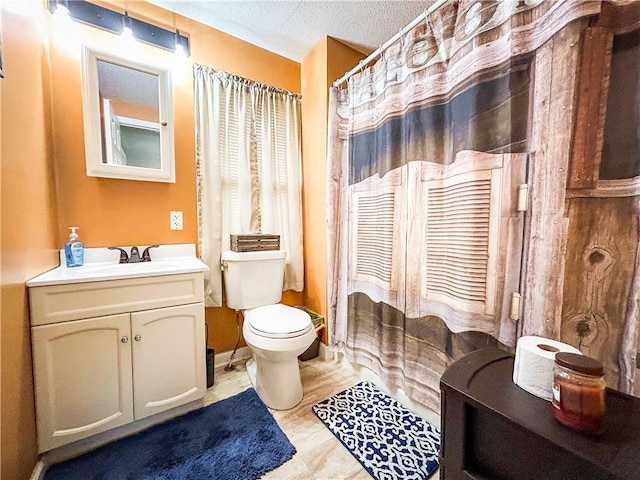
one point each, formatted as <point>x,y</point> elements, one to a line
<point>127,119</point>
<point>130,112</point>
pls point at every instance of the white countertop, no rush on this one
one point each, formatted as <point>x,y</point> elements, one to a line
<point>102,264</point>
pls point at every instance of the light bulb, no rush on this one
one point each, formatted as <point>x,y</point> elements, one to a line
<point>127,43</point>
<point>61,12</point>
<point>66,36</point>
<point>179,50</point>
<point>127,34</point>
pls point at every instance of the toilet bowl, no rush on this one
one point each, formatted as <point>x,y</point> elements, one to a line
<point>277,334</point>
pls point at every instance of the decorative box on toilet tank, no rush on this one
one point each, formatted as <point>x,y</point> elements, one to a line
<point>254,242</point>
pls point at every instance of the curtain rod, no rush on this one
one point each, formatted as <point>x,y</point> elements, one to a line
<point>389,42</point>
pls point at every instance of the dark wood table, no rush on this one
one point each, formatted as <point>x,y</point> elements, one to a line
<point>493,429</point>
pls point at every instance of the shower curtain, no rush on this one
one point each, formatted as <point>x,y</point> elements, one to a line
<point>432,238</point>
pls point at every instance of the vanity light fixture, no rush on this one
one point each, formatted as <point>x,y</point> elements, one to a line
<point>115,22</point>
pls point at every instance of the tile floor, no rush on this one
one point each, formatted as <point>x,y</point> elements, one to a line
<point>320,455</point>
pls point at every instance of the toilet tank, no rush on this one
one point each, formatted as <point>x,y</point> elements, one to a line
<point>253,279</point>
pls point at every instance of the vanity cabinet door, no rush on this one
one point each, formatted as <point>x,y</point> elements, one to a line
<point>169,365</point>
<point>83,381</point>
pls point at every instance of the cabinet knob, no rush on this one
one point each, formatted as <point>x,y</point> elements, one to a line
<point>137,338</point>
<point>124,339</point>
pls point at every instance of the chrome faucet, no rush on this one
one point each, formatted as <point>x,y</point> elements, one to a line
<point>135,254</point>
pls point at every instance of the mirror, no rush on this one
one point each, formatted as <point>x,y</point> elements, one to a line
<point>128,124</point>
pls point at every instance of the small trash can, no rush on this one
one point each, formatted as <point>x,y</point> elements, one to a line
<point>210,366</point>
<point>318,324</point>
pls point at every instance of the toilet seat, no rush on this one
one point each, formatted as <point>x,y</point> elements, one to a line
<point>278,321</point>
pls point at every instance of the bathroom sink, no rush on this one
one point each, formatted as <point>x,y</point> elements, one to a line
<point>169,260</point>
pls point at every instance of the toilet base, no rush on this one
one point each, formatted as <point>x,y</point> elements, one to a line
<point>278,384</point>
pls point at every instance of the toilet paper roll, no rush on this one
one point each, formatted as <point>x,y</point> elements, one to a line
<point>533,366</point>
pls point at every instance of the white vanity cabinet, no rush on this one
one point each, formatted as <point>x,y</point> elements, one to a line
<point>109,353</point>
<point>168,358</point>
<point>83,378</point>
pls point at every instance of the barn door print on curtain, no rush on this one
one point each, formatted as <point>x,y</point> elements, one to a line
<point>434,242</point>
<point>427,149</point>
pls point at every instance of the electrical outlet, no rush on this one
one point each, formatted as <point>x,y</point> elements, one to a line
<point>175,220</point>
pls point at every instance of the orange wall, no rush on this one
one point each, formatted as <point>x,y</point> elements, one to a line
<point>327,62</point>
<point>134,110</point>
<point>122,212</point>
<point>340,59</point>
<point>45,189</point>
<point>314,152</point>
<point>43,153</point>
<point>28,222</point>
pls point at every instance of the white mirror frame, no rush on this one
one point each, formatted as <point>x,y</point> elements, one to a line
<point>93,127</point>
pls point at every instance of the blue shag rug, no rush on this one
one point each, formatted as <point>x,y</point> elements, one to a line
<point>236,438</point>
<point>387,439</point>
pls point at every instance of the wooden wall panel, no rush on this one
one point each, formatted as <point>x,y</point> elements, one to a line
<point>600,267</point>
<point>601,295</point>
<point>554,89</point>
<point>590,108</point>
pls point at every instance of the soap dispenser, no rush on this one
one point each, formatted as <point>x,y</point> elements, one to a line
<point>74,250</point>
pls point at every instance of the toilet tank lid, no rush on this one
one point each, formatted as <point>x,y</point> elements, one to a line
<point>231,256</point>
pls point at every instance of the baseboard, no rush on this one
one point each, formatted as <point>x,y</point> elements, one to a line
<point>222,359</point>
<point>39,470</point>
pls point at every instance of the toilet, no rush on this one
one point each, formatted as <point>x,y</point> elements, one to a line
<point>276,333</point>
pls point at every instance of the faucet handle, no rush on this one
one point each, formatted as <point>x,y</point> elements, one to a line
<point>124,258</point>
<point>146,257</point>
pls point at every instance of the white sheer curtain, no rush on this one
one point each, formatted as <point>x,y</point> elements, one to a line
<point>248,156</point>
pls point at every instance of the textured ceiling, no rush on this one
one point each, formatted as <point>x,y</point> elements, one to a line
<point>292,28</point>
<point>118,82</point>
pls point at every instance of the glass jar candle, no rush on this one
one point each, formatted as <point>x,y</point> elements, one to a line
<point>578,392</point>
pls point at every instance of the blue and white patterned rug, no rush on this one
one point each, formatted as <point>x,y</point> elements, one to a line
<point>387,439</point>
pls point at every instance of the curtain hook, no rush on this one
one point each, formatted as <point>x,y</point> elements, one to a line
<point>427,25</point>
<point>401,39</point>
